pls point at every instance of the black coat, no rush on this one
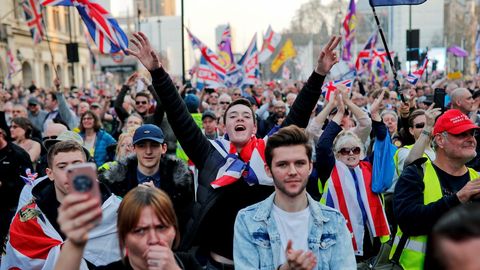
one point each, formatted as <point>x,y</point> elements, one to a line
<point>175,180</point>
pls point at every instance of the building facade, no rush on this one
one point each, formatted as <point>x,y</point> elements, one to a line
<point>151,8</point>
<point>34,63</point>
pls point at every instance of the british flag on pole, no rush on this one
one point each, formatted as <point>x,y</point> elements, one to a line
<point>330,87</point>
<point>416,75</point>
<point>33,17</point>
<point>102,27</point>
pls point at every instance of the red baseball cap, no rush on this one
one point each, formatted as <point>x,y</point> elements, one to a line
<point>454,122</point>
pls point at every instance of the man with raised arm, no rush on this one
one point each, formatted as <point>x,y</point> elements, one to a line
<point>231,172</point>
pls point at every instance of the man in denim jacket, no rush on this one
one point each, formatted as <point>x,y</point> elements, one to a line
<point>264,231</point>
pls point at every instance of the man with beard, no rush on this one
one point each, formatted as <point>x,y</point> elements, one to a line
<point>291,216</point>
<point>231,173</point>
<point>276,117</point>
<point>428,189</point>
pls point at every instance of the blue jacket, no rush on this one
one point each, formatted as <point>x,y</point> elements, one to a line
<point>257,245</point>
<point>102,141</point>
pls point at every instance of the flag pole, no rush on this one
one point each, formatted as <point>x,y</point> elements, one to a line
<point>389,57</point>
<point>49,46</point>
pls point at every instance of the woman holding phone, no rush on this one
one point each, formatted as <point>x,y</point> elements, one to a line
<point>147,231</point>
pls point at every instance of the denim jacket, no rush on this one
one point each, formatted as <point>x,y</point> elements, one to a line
<point>257,243</point>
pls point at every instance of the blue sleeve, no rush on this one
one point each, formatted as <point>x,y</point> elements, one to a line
<point>245,253</point>
<point>325,160</point>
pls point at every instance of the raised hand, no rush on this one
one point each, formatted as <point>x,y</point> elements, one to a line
<point>147,56</point>
<point>77,215</point>
<point>431,115</point>
<point>375,108</point>
<point>132,79</point>
<point>328,56</point>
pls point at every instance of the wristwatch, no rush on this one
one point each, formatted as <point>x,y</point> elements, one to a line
<point>427,132</point>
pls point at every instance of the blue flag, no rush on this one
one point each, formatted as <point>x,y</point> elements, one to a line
<point>376,3</point>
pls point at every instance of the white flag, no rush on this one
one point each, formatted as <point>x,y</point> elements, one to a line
<point>270,42</point>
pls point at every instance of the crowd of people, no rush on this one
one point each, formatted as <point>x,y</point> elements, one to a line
<point>274,176</point>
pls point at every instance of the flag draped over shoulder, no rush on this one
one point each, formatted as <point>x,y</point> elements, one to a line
<point>288,51</point>
<point>102,27</point>
<point>33,16</point>
<point>270,43</point>
<point>416,75</point>
<point>376,3</point>
<point>349,24</point>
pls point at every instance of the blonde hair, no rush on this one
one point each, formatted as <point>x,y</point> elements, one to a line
<point>347,136</point>
<point>128,134</point>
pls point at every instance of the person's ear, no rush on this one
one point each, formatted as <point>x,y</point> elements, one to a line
<point>49,173</point>
<point>410,130</point>
<point>268,171</point>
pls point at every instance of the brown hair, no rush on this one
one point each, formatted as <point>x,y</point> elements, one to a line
<point>25,124</point>
<point>414,115</point>
<point>63,147</point>
<point>138,199</point>
<point>287,136</point>
<point>240,101</point>
<point>97,125</point>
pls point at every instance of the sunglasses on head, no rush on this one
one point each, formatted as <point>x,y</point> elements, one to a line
<point>346,151</point>
<point>419,125</point>
<point>140,102</point>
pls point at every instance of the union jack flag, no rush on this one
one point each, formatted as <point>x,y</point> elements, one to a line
<point>33,17</point>
<point>330,87</point>
<point>102,27</point>
<point>210,56</point>
<point>416,75</point>
<point>249,65</point>
<point>206,76</point>
<point>364,55</point>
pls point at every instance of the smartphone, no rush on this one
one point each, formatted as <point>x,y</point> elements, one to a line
<point>439,99</point>
<point>82,178</point>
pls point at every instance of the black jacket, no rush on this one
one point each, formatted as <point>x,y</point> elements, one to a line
<point>226,201</point>
<point>175,180</point>
<point>13,163</point>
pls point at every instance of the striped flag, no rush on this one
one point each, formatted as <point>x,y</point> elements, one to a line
<point>330,87</point>
<point>364,55</point>
<point>249,64</point>
<point>210,56</point>
<point>103,28</point>
<point>416,75</point>
<point>33,16</point>
<point>270,43</point>
<point>206,76</point>
<point>349,24</point>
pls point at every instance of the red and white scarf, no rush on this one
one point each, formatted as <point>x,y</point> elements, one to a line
<point>341,194</point>
<point>250,164</point>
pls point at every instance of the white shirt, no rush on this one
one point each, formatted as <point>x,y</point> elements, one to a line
<point>292,226</point>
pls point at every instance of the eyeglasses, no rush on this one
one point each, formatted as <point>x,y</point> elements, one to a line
<point>347,151</point>
<point>236,94</point>
<point>141,102</point>
<point>87,118</point>
<point>224,102</point>
<point>466,134</point>
<point>31,105</point>
<point>214,96</point>
<point>419,125</point>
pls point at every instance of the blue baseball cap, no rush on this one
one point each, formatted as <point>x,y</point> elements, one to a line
<point>148,132</point>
